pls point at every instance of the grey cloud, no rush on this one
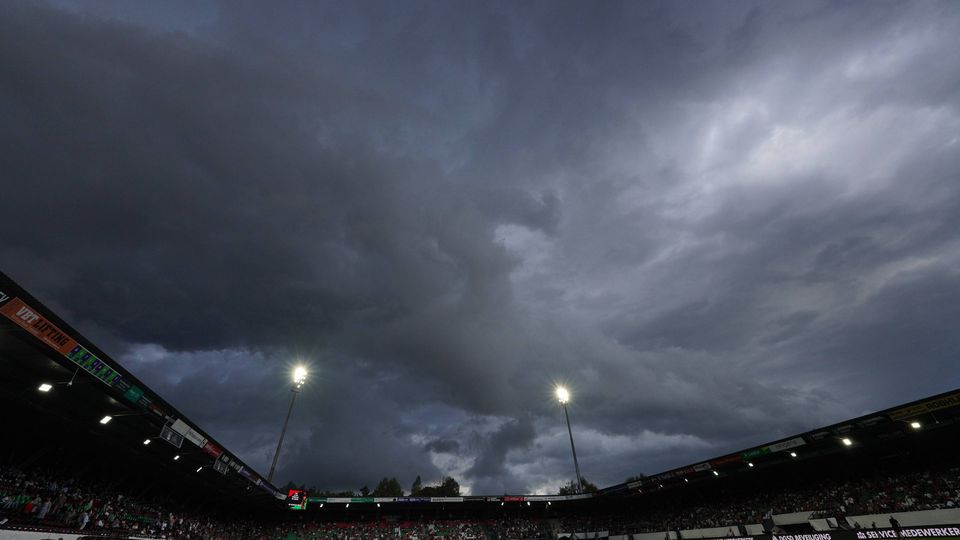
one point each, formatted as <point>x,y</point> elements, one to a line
<point>241,397</point>
<point>489,471</point>
<point>720,224</point>
<point>443,446</point>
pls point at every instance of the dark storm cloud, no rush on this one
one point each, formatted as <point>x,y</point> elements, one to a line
<point>492,458</point>
<point>443,446</point>
<point>719,223</point>
<point>342,396</point>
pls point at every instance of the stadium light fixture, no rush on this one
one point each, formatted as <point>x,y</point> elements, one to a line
<point>528,503</point>
<point>44,387</point>
<point>915,425</point>
<point>715,473</point>
<point>176,457</point>
<point>146,442</point>
<point>548,503</point>
<point>846,441</point>
<point>200,468</point>
<point>750,464</point>
<point>347,506</point>
<point>106,419</point>
<point>378,505</point>
<point>563,396</point>
<point>299,378</point>
<point>793,454</point>
<point>686,480</point>
<point>299,375</point>
<point>321,505</point>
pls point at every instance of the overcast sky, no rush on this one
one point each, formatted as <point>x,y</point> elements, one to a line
<point>718,223</point>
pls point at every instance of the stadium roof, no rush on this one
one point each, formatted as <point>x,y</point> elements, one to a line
<point>937,415</point>
<point>82,385</point>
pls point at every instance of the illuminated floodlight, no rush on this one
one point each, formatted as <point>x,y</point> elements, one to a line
<point>915,424</point>
<point>321,505</point>
<point>176,457</point>
<point>501,503</point>
<point>299,375</point>
<point>528,503</point>
<point>793,454</point>
<point>686,480</point>
<point>715,473</point>
<point>846,441</point>
<point>199,468</point>
<point>548,503</point>
<point>378,505</point>
<point>563,396</point>
<point>44,387</point>
<point>146,442</point>
<point>750,464</point>
<point>106,419</point>
<point>299,378</point>
<point>347,506</point>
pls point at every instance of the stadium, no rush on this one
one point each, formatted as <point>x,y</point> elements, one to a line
<point>90,451</point>
<point>479,269</point>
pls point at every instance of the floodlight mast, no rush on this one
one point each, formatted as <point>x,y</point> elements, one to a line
<point>299,377</point>
<point>563,396</point>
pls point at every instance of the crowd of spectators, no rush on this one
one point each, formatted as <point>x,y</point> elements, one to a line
<point>41,499</point>
<point>384,530</point>
<point>38,499</point>
<point>518,529</point>
<point>830,497</point>
<point>44,500</point>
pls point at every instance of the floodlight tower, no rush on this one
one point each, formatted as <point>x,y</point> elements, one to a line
<point>563,396</point>
<point>299,377</point>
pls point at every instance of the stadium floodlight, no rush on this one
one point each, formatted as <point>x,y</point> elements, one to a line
<point>176,457</point>
<point>45,387</point>
<point>106,419</point>
<point>299,375</point>
<point>846,441</point>
<point>563,396</point>
<point>146,442</point>
<point>347,506</point>
<point>915,425</point>
<point>200,468</point>
<point>686,480</point>
<point>321,505</point>
<point>793,454</point>
<point>715,473</point>
<point>378,505</point>
<point>750,464</point>
<point>299,378</point>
